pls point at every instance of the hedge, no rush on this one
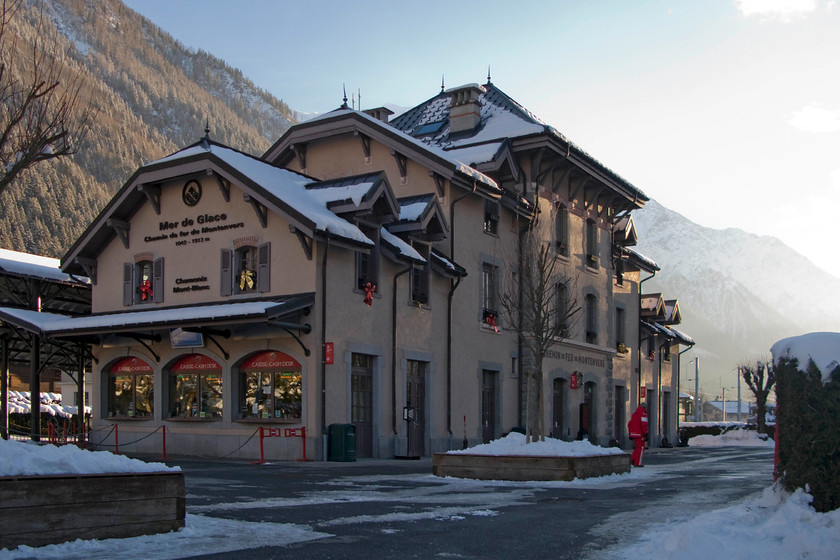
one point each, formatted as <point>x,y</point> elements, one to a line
<point>808,418</point>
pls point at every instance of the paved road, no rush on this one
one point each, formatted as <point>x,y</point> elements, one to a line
<point>398,510</point>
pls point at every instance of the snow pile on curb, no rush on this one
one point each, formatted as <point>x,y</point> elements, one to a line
<point>740,438</point>
<point>514,444</point>
<point>27,458</point>
<point>773,526</point>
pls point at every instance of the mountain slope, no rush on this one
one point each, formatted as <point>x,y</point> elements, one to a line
<point>154,96</point>
<point>738,292</point>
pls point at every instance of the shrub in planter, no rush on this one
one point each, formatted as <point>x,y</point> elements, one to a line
<point>808,417</point>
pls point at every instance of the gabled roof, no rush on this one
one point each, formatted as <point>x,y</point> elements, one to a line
<point>624,232</point>
<point>345,120</point>
<point>672,312</point>
<point>652,306</point>
<point>281,191</point>
<point>368,194</point>
<point>421,217</point>
<point>501,118</point>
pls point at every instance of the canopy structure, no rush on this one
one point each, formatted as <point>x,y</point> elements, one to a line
<point>35,284</point>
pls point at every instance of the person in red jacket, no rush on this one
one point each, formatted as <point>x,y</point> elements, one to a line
<point>638,429</point>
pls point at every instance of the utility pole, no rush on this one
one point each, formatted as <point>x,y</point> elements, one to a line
<point>697,389</point>
<point>724,404</point>
<point>739,393</point>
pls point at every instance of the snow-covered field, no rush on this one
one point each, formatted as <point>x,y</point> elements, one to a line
<point>770,525</point>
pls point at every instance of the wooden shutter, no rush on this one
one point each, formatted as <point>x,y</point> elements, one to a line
<point>227,274</point>
<point>157,280</point>
<point>128,284</point>
<point>264,267</point>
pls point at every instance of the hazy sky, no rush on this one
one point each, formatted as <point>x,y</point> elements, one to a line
<point>726,111</point>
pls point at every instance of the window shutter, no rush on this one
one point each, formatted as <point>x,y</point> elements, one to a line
<point>227,274</point>
<point>128,284</point>
<point>264,267</point>
<point>157,280</point>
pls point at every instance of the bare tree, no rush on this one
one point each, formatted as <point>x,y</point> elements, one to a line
<point>760,378</point>
<point>538,303</point>
<point>44,113</point>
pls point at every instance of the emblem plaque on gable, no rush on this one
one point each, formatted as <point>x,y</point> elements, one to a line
<point>191,193</point>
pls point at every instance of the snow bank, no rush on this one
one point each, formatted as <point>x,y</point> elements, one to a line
<point>773,526</point>
<point>28,458</point>
<point>738,438</point>
<point>514,444</point>
<point>821,347</point>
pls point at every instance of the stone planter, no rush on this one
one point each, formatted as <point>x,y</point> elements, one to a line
<point>41,510</point>
<point>523,468</point>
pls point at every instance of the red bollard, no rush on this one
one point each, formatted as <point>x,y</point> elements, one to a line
<point>262,455</point>
<point>164,442</point>
<point>117,439</point>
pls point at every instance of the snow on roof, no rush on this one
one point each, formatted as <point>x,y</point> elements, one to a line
<point>55,323</point>
<point>337,193</point>
<point>459,165</point>
<point>402,248</point>
<point>36,266</point>
<point>823,348</point>
<point>413,211</point>
<point>287,186</point>
<point>474,155</point>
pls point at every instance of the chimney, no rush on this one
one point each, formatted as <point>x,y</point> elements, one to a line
<point>380,113</point>
<point>464,107</point>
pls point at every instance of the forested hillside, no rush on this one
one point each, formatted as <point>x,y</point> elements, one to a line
<point>154,96</point>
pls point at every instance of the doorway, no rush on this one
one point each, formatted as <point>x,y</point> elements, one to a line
<point>558,425</point>
<point>415,394</point>
<point>361,403</point>
<point>489,404</point>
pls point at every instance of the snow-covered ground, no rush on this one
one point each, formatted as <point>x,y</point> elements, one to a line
<point>770,525</point>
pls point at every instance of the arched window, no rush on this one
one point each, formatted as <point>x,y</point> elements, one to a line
<point>130,389</point>
<point>247,268</point>
<point>270,387</point>
<point>195,388</point>
<point>591,319</point>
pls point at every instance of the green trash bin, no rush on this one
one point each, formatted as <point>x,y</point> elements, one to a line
<point>342,442</point>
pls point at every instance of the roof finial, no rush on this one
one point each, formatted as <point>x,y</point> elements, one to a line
<point>206,140</point>
<point>488,74</point>
<point>344,105</point>
<point>442,87</point>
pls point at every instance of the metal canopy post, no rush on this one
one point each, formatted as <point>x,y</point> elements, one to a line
<point>35,387</point>
<point>4,386</point>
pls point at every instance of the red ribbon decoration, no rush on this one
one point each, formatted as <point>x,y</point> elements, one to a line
<point>145,290</point>
<point>369,289</point>
<point>491,320</point>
